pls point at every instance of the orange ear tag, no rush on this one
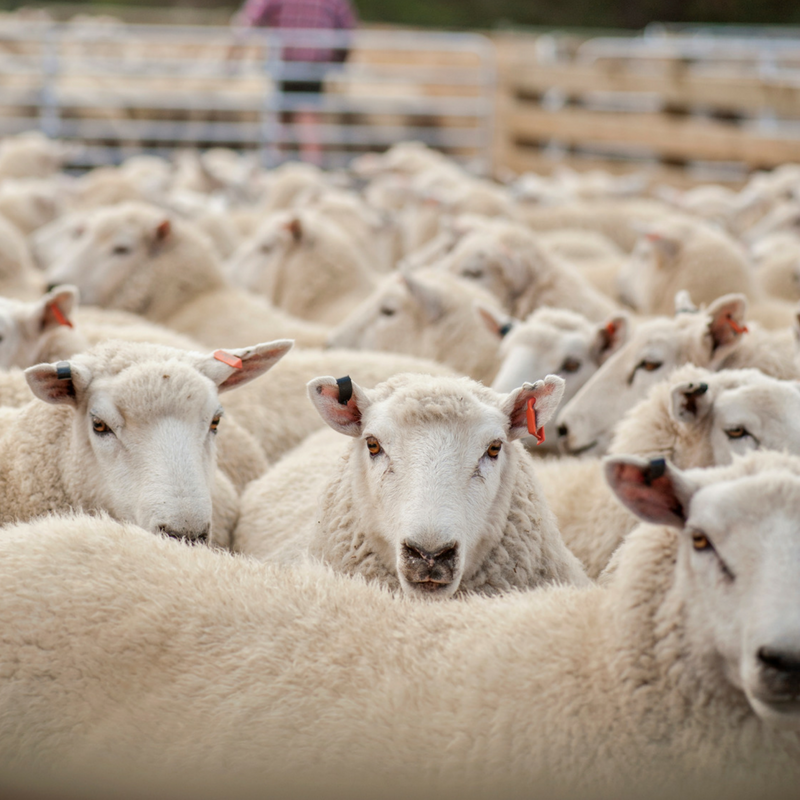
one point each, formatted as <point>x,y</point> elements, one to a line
<point>61,318</point>
<point>532,429</point>
<point>227,358</point>
<point>736,326</point>
<point>611,329</point>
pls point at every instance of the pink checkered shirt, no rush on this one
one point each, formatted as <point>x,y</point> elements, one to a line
<point>329,14</point>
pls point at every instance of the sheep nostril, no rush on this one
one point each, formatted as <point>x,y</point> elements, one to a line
<point>563,430</point>
<point>780,660</point>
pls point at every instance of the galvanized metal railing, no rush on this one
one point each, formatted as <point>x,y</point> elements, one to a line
<point>118,89</point>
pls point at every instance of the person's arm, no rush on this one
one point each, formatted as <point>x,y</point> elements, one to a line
<point>256,13</point>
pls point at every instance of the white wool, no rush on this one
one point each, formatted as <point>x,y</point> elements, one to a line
<point>697,418</point>
<point>183,671</point>
<point>130,429</point>
<point>716,337</point>
<point>431,487</point>
<point>506,260</point>
<point>304,263</point>
<point>137,258</point>
<point>429,314</point>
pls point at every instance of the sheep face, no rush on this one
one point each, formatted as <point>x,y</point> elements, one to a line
<point>556,342</point>
<point>433,461</point>
<point>424,313</point>
<point>22,325</point>
<point>143,430</point>
<point>114,248</point>
<point>736,572</point>
<point>255,262</point>
<point>737,411</point>
<point>654,350</point>
<point>500,270</point>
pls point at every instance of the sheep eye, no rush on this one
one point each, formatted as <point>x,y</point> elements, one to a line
<point>475,273</point>
<point>494,449</point>
<point>373,445</point>
<point>647,366</point>
<point>100,427</point>
<point>215,423</point>
<point>266,248</point>
<point>121,250</point>
<point>570,365</point>
<point>737,433</point>
<point>387,312</point>
<point>700,542</point>
<point>651,366</point>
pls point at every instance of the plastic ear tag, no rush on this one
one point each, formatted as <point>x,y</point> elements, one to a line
<point>345,389</point>
<point>61,317</point>
<point>736,326</point>
<point>229,359</point>
<point>532,429</point>
<point>63,371</point>
<point>611,329</point>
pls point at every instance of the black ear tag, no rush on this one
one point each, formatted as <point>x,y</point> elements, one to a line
<point>63,371</point>
<point>345,389</point>
<point>655,469</point>
<point>503,330</point>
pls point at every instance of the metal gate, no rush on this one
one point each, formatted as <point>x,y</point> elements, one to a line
<point>117,89</point>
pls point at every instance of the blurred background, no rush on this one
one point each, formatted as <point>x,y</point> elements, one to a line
<point>688,91</point>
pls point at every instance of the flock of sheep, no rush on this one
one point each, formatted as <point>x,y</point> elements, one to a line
<point>491,388</point>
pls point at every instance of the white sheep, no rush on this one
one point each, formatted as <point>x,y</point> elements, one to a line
<point>136,258</point>
<point>426,313</point>
<point>553,341</point>
<point>277,412</point>
<point>30,203</point>
<point>694,256</point>
<point>613,218</point>
<point>176,670</point>
<point>506,260</point>
<point>51,329</point>
<point>129,429</point>
<point>18,274</point>
<point>716,337</point>
<point>432,497</point>
<point>305,264</point>
<point>696,418</point>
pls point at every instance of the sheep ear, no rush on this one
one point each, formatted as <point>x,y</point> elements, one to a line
<point>232,368</point>
<point>53,309</point>
<point>427,296</point>
<point>611,336</point>
<point>546,395</point>
<point>667,246</point>
<point>690,401</point>
<point>684,304</point>
<point>295,227</point>
<point>340,403</point>
<point>726,317</point>
<point>163,230</point>
<point>60,384</point>
<point>654,490</point>
<point>498,322</point>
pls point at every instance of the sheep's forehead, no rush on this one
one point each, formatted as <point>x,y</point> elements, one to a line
<point>751,507</point>
<point>156,388</point>
<point>769,400</point>
<point>546,337</point>
<point>426,406</point>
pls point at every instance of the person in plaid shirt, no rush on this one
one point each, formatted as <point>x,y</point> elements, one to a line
<point>324,14</point>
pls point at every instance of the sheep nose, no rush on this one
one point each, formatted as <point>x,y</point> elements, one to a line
<point>426,566</point>
<point>786,662</point>
<point>563,431</point>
